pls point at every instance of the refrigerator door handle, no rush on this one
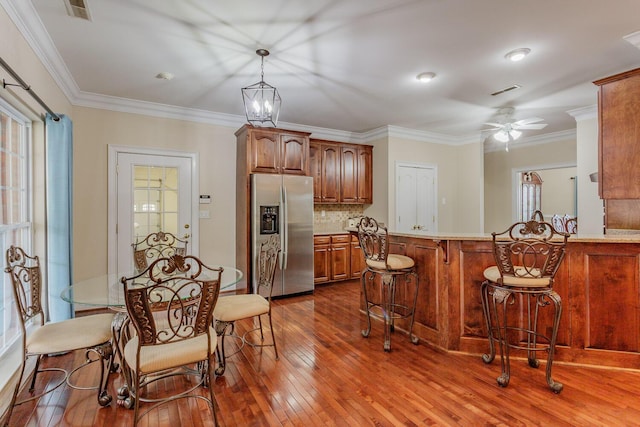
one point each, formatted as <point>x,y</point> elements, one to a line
<point>285,247</point>
<point>282,229</point>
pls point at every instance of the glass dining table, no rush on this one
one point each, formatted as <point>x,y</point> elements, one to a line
<point>107,291</point>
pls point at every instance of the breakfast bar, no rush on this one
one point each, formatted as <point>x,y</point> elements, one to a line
<point>598,282</point>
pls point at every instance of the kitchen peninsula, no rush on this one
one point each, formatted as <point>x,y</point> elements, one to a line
<point>598,282</point>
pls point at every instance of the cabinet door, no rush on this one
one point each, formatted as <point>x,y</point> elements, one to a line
<point>315,170</point>
<point>265,152</point>
<point>357,258</point>
<point>365,177</point>
<point>349,175</point>
<point>340,259</point>
<point>294,158</point>
<point>321,259</point>
<point>330,174</point>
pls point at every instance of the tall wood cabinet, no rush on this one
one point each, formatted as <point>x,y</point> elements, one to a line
<point>262,150</point>
<point>619,149</point>
<point>342,172</point>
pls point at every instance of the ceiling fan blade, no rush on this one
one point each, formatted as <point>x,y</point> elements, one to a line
<point>496,125</point>
<point>530,126</point>
<point>528,121</point>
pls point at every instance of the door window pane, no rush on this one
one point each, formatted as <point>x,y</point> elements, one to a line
<point>155,200</point>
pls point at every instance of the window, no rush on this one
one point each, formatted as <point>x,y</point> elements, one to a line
<point>530,194</point>
<point>15,208</point>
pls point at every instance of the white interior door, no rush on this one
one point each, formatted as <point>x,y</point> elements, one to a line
<point>415,198</point>
<point>153,192</point>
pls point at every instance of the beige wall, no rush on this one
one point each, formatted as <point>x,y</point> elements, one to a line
<point>558,191</point>
<point>95,129</point>
<point>499,169</point>
<point>590,207</point>
<point>458,169</point>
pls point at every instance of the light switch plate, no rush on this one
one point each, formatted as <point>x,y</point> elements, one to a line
<point>204,213</point>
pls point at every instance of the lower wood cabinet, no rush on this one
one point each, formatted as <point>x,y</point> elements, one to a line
<point>336,257</point>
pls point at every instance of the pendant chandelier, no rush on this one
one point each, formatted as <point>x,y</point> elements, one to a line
<point>261,100</point>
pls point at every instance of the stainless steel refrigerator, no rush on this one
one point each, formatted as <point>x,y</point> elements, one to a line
<point>283,205</point>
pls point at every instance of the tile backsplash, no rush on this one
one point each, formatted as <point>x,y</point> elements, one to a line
<point>328,218</point>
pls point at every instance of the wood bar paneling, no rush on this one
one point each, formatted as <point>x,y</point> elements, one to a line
<point>599,284</point>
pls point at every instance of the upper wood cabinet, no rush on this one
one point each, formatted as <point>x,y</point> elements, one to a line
<point>342,172</point>
<point>619,136</point>
<point>271,150</point>
<point>324,164</point>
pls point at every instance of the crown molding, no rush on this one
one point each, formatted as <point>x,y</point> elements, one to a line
<point>584,113</point>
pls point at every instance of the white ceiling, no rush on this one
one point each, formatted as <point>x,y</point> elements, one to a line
<point>348,65</point>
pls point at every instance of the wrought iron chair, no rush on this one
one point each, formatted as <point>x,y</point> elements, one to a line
<point>170,305</point>
<point>91,333</point>
<point>154,246</point>
<point>237,307</point>
<point>388,304</point>
<point>527,255</point>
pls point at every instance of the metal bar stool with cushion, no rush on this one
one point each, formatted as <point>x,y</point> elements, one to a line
<point>527,257</point>
<point>381,296</point>
<point>232,308</point>
<point>154,246</point>
<point>41,339</point>
<point>171,308</point>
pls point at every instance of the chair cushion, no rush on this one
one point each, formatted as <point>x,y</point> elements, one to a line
<point>72,334</point>
<point>526,281</point>
<point>236,307</point>
<point>394,261</point>
<point>155,358</point>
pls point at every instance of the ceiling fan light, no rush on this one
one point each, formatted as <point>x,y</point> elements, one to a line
<point>517,54</point>
<point>515,134</point>
<point>501,136</point>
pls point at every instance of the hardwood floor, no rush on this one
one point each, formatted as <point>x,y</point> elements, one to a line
<point>329,375</point>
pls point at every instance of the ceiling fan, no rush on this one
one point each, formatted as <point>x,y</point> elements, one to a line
<point>510,131</point>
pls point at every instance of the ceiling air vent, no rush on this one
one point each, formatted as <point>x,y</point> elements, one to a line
<point>78,9</point>
<point>506,89</point>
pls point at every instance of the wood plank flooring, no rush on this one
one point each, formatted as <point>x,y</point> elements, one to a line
<point>329,375</point>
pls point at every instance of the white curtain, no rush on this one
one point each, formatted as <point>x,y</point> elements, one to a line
<point>59,187</point>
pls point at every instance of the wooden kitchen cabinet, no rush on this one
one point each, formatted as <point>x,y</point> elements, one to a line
<point>356,174</point>
<point>342,172</point>
<point>357,258</point>
<point>271,150</point>
<point>333,258</point>
<point>324,165</point>
<point>619,136</point>
<point>321,259</point>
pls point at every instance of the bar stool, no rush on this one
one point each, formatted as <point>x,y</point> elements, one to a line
<point>527,257</point>
<point>386,306</point>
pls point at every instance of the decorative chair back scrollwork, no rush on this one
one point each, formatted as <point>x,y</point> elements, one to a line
<point>170,305</point>
<point>40,339</point>
<point>527,250</point>
<point>527,257</point>
<point>154,246</point>
<point>383,301</point>
<point>233,308</point>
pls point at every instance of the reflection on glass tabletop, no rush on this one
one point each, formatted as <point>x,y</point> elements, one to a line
<point>108,291</point>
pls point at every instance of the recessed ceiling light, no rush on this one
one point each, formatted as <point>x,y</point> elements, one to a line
<point>426,77</point>
<point>517,54</point>
<point>164,76</point>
